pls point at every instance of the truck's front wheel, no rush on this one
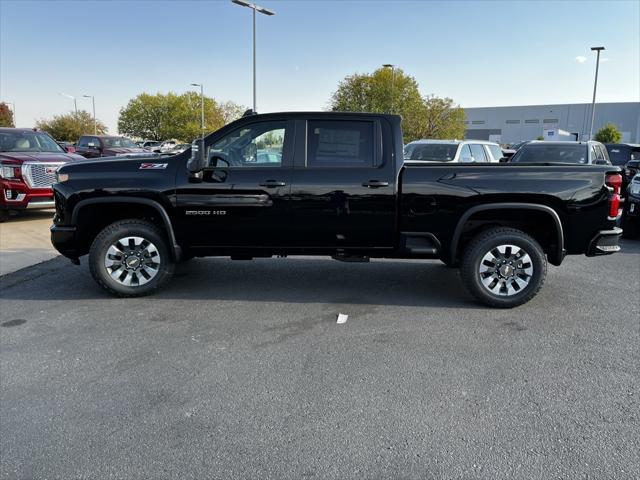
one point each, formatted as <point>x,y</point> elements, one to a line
<point>503,267</point>
<point>130,258</point>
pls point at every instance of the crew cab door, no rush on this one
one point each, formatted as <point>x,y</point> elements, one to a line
<point>242,199</point>
<point>343,190</point>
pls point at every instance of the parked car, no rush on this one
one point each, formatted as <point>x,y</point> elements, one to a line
<point>28,161</point>
<point>631,216</point>
<point>67,147</point>
<point>149,145</point>
<point>93,146</point>
<point>345,193</point>
<point>584,153</point>
<point>456,151</point>
<point>179,148</point>
<point>626,156</point>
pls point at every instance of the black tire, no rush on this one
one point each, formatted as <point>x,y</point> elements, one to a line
<point>4,215</point>
<point>109,237</point>
<point>489,241</point>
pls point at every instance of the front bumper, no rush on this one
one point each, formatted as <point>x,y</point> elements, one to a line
<point>63,239</point>
<point>17,196</point>
<point>605,242</point>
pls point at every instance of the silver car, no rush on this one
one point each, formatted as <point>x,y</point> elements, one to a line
<point>456,151</point>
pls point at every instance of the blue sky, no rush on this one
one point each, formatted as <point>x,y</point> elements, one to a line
<point>478,53</point>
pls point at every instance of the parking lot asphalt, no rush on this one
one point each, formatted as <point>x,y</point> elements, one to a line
<point>25,240</point>
<point>239,370</point>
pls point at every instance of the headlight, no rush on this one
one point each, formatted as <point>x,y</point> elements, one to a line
<point>62,177</point>
<point>635,188</point>
<point>9,172</point>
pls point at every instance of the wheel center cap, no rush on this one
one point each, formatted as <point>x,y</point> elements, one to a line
<point>133,262</point>
<point>506,271</point>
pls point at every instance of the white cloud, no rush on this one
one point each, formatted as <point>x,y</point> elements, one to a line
<point>581,59</point>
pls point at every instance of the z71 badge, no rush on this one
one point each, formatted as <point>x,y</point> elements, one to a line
<point>153,166</point>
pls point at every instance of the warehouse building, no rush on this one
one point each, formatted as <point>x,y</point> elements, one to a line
<point>513,124</point>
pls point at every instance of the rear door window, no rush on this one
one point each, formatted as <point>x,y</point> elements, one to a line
<point>478,152</point>
<point>465,154</point>
<point>340,143</point>
<point>496,152</point>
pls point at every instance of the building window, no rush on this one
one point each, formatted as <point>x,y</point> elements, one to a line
<point>477,122</point>
<point>550,120</point>
<point>513,121</point>
<point>535,120</point>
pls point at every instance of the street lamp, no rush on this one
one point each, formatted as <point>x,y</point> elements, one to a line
<point>393,81</point>
<point>201,105</point>
<point>93,101</point>
<point>255,8</point>
<point>595,85</point>
<point>75,103</point>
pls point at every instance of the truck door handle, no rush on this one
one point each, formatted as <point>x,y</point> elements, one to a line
<point>375,184</point>
<point>272,184</point>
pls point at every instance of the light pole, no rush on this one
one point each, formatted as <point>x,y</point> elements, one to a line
<point>255,8</point>
<point>201,105</point>
<point>393,81</point>
<point>93,101</point>
<point>595,85</point>
<point>75,103</point>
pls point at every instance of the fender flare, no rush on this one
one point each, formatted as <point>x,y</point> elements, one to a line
<point>176,250</point>
<point>559,254</point>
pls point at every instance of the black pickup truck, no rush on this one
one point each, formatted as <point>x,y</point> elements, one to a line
<point>331,184</point>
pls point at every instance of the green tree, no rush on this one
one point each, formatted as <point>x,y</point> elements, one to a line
<point>69,127</point>
<point>6,116</point>
<point>393,91</point>
<point>608,134</point>
<point>173,116</point>
<point>231,111</point>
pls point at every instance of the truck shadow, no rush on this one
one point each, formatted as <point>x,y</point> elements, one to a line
<point>290,280</point>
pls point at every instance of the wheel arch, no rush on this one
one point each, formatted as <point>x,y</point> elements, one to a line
<point>555,257</point>
<point>174,248</point>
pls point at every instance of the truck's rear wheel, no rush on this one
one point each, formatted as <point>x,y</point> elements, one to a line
<point>503,267</point>
<point>130,258</point>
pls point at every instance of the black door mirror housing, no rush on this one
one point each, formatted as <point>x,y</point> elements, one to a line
<point>197,161</point>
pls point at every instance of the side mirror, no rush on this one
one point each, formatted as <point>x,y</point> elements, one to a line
<point>601,161</point>
<point>196,163</point>
<point>504,160</point>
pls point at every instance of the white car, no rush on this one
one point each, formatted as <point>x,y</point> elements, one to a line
<point>456,151</point>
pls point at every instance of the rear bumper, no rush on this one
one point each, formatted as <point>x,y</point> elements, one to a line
<point>63,239</point>
<point>605,242</point>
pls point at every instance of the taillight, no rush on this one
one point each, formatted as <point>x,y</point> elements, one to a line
<point>614,182</point>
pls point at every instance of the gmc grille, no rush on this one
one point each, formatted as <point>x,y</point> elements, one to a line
<point>40,175</point>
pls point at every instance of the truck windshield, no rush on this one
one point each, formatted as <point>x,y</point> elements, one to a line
<point>28,142</point>
<point>110,142</point>
<point>431,152</point>
<point>540,153</point>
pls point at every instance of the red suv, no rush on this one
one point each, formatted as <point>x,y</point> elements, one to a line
<point>28,163</point>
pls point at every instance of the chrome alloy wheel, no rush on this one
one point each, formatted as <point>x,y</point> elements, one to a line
<point>132,261</point>
<point>506,270</point>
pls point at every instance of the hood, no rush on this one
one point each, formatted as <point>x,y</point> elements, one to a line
<point>118,150</point>
<point>40,157</point>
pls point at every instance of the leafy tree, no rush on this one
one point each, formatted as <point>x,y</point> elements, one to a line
<point>608,134</point>
<point>441,118</point>
<point>69,127</point>
<point>173,116</point>
<point>231,111</point>
<point>389,91</point>
<point>6,116</point>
